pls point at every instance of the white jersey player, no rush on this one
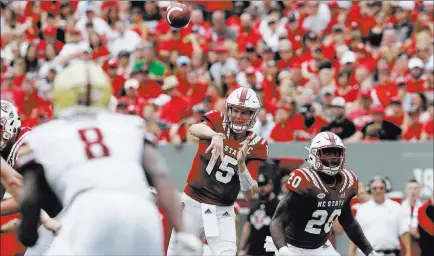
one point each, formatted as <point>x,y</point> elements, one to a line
<point>94,162</point>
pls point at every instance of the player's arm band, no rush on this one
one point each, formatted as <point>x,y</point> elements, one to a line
<point>246,180</point>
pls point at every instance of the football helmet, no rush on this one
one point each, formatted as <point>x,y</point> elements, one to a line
<point>81,83</point>
<point>244,99</point>
<point>327,153</point>
<point>9,122</point>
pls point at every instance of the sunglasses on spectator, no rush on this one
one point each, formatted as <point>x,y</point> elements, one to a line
<point>271,22</point>
<point>378,188</point>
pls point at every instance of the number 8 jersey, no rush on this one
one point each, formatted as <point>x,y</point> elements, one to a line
<point>323,203</point>
<point>217,183</point>
<point>89,149</point>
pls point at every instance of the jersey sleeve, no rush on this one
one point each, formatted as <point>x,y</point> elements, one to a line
<point>214,119</point>
<point>299,182</point>
<point>258,148</point>
<point>257,154</point>
<point>352,183</point>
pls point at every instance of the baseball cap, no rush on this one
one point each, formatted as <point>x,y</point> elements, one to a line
<point>131,83</point>
<point>338,102</point>
<point>395,100</point>
<point>264,180</point>
<point>348,57</point>
<point>415,63</point>
<point>123,54</point>
<point>250,70</point>
<point>328,90</point>
<point>89,7</point>
<point>182,61</point>
<point>377,110</point>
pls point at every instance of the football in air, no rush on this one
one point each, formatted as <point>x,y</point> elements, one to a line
<point>178,15</point>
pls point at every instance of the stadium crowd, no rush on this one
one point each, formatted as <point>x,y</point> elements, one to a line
<point>363,70</point>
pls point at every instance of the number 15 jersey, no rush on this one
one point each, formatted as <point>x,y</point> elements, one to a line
<point>217,183</point>
<point>89,149</point>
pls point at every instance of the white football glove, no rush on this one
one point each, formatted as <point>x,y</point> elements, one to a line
<point>269,245</point>
<point>187,244</point>
<point>284,251</point>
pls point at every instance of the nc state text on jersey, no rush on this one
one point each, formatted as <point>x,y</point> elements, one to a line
<point>234,152</point>
<point>332,203</point>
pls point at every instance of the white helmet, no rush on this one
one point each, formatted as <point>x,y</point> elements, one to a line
<point>245,99</point>
<point>9,122</point>
<point>327,153</point>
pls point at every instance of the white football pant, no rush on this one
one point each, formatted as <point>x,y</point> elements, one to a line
<point>109,223</point>
<point>218,224</point>
<point>326,249</point>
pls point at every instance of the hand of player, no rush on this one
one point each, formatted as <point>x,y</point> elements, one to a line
<point>50,223</point>
<point>216,147</point>
<point>10,226</point>
<point>241,253</point>
<point>187,244</point>
<point>242,152</point>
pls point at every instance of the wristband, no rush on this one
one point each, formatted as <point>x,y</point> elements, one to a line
<point>220,135</point>
<point>246,180</point>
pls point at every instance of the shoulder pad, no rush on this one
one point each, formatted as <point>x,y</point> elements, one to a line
<point>350,181</point>
<point>215,118</point>
<point>299,182</point>
<point>259,148</point>
<point>305,180</point>
<point>26,156</point>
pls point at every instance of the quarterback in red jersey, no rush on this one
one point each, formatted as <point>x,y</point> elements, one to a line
<point>317,196</point>
<point>11,136</point>
<point>227,161</point>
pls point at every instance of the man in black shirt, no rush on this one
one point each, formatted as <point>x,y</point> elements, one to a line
<point>426,227</point>
<point>378,129</point>
<point>257,226</point>
<point>340,125</point>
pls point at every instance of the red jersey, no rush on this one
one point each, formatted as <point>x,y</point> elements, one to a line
<point>9,241</point>
<point>218,183</point>
<point>313,221</point>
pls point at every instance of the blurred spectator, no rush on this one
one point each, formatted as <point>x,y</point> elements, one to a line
<point>362,197</point>
<point>223,63</point>
<point>257,225</point>
<point>378,129</point>
<point>340,124</point>
<point>383,222</point>
<point>411,127</point>
<point>174,110</point>
<point>312,123</point>
<point>361,112</point>
<point>264,124</point>
<point>428,127</point>
<point>411,205</point>
<point>395,112</point>
<point>288,121</point>
<point>132,99</point>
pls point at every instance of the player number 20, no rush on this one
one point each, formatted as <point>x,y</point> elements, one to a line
<point>315,225</point>
<point>294,181</point>
<point>225,171</point>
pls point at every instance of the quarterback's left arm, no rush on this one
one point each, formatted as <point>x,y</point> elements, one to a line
<point>248,168</point>
<point>353,229</point>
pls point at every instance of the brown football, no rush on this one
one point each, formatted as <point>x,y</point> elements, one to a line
<point>178,15</point>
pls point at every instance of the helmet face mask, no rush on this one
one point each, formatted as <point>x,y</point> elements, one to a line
<point>242,108</point>
<point>327,153</point>
<point>9,123</point>
<point>331,157</point>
